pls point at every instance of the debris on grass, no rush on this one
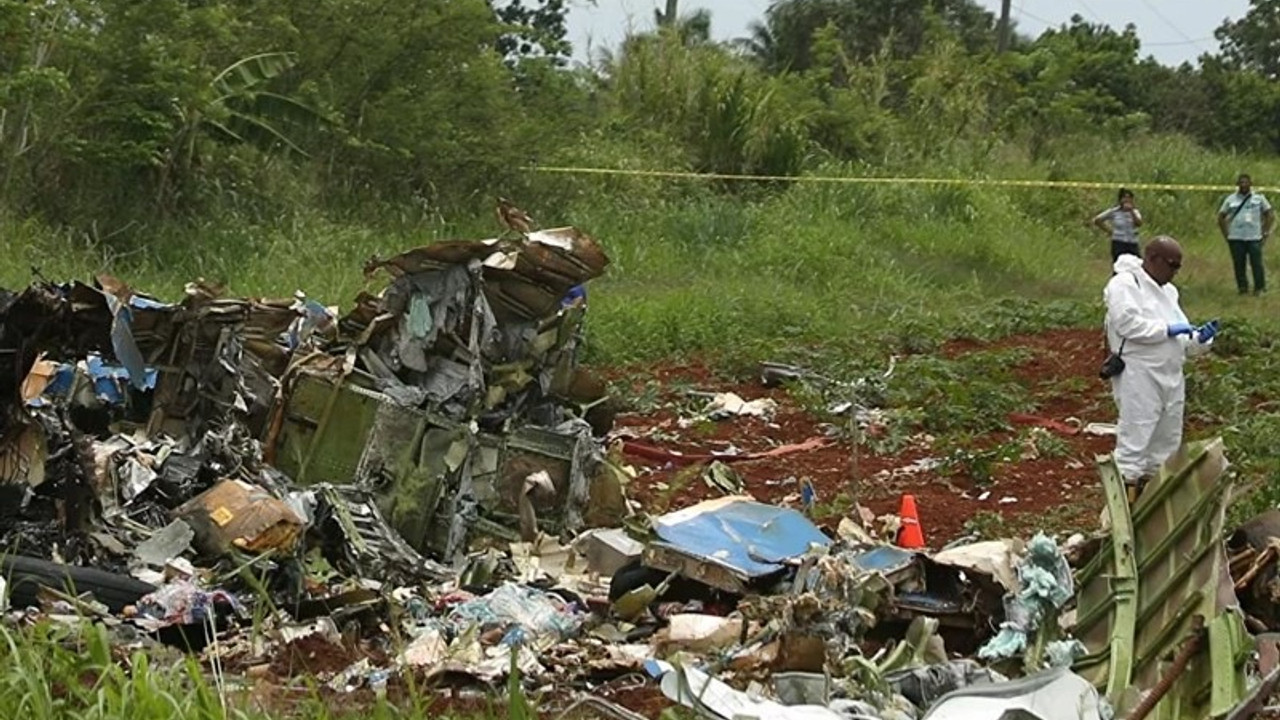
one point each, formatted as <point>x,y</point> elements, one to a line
<point>427,489</point>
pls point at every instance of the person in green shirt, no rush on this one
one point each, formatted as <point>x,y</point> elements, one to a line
<point>1245,220</point>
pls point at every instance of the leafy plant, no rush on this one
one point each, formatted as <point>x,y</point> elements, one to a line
<point>236,107</point>
<point>1043,443</point>
<point>841,505</point>
<point>976,465</point>
<point>987,525</point>
<point>973,392</point>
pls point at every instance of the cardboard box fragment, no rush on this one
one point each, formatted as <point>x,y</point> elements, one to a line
<point>235,514</point>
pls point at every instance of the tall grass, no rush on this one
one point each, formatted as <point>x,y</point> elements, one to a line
<point>80,672</point>
<point>841,264</point>
<point>744,271</point>
<point>52,672</point>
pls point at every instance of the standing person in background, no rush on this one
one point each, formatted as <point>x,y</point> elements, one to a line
<point>1121,222</point>
<point>1245,220</point>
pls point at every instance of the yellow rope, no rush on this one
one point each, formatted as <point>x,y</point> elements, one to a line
<point>1080,184</point>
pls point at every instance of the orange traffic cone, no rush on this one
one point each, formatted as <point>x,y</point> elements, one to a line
<point>910,535</point>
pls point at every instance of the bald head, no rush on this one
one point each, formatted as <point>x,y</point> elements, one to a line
<point>1162,259</point>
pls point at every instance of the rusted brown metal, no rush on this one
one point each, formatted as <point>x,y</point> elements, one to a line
<point>1189,648</point>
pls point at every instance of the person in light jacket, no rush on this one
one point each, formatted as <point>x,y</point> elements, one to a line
<point>1147,327</point>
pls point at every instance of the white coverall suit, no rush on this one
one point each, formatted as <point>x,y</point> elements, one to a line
<point>1151,391</point>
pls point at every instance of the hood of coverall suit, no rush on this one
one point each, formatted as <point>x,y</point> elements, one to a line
<point>1131,285</point>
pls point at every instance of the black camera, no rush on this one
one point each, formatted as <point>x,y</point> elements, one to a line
<point>1112,366</point>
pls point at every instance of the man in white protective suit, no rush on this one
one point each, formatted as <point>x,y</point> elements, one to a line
<point>1150,333</point>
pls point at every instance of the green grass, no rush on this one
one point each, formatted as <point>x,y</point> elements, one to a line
<point>57,672</point>
<point>51,672</point>
<point>747,272</point>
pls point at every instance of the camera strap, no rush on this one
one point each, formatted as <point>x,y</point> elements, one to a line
<point>1244,200</point>
<point>1124,340</point>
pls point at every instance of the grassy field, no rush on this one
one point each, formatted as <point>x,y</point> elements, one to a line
<point>836,275</point>
<point>744,271</point>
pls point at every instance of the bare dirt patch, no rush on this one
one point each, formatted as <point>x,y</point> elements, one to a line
<point>1056,491</point>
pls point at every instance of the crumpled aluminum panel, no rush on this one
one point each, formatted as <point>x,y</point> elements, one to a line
<point>524,278</point>
<point>739,537</point>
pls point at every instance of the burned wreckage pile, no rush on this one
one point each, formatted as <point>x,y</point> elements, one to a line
<point>427,478</point>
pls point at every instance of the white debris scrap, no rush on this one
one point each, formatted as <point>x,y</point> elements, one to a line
<point>726,405</point>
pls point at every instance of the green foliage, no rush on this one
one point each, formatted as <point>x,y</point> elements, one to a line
<point>112,110</point>
<point>952,100</point>
<point>423,100</point>
<point>1249,42</point>
<point>864,28</point>
<point>1044,443</point>
<point>519,707</point>
<point>988,525</point>
<point>731,118</point>
<point>978,465</point>
<point>975,392</point>
<point>1245,102</point>
<point>235,108</point>
<point>537,29</point>
<point>52,672</point>
<point>114,113</point>
<point>1075,79</point>
<point>844,504</point>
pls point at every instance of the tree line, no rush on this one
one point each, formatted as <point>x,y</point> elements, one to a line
<point>116,112</point>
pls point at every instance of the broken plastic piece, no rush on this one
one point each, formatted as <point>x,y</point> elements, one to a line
<point>725,405</point>
<point>924,686</point>
<point>608,551</point>
<point>427,649</point>
<point>719,476</point>
<point>712,698</point>
<point>1050,695</point>
<point>164,545</point>
<point>700,633</point>
<point>802,688</point>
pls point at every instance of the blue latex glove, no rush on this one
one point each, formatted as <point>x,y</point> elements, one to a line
<point>1207,331</point>
<point>1176,329</point>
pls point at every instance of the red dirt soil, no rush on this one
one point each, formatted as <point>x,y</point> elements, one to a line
<point>646,700</point>
<point>312,655</point>
<point>1063,487</point>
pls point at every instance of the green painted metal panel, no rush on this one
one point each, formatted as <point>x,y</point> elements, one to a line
<point>325,430</point>
<point>1163,567</point>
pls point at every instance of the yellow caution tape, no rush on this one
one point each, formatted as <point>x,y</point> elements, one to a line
<point>990,182</point>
